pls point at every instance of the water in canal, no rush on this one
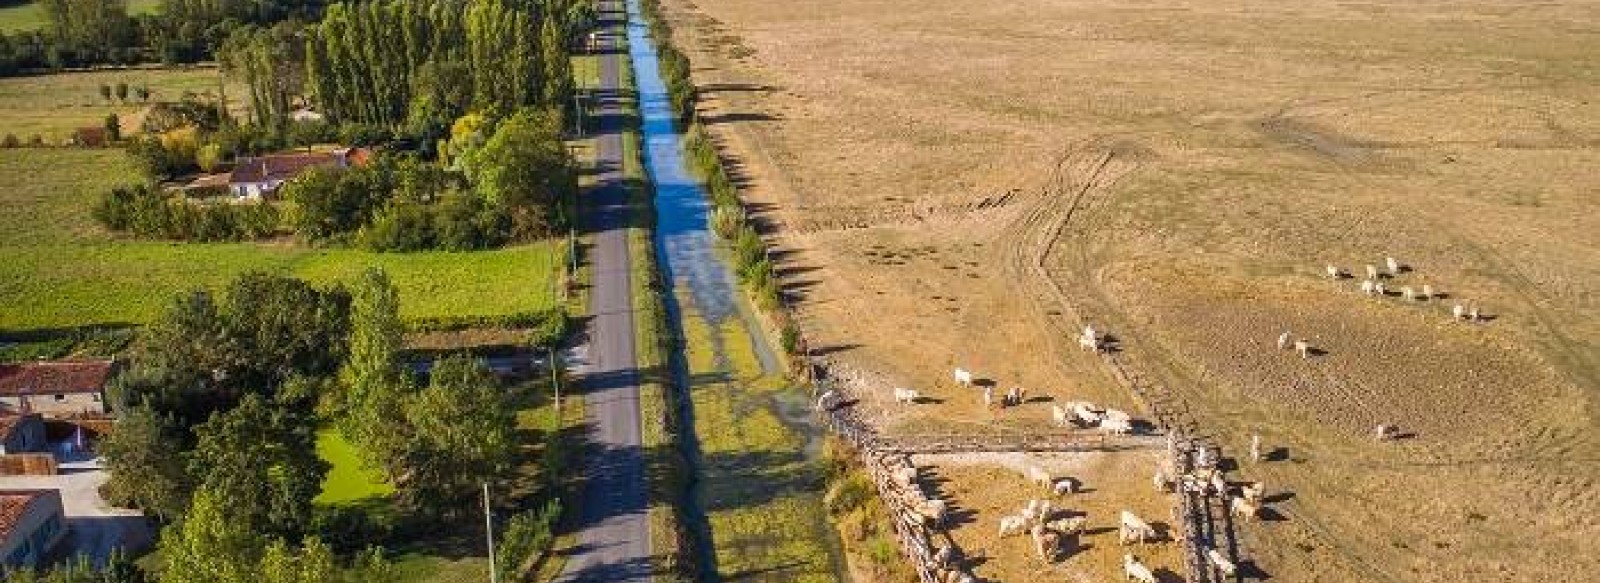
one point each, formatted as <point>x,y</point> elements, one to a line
<point>756,498</point>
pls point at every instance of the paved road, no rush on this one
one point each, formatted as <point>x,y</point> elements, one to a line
<point>614,538</point>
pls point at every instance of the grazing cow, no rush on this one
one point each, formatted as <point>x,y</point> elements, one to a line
<point>1116,415</point>
<point>1472,314</point>
<point>1367,286</point>
<point>1386,432</point>
<point>1135,529</point>
<point>1070,526</point>
<point>1283,340</point>
<point>1117,426</point>
<point>1089,343</point>
<point>1085,413</point>
<point>1039,476</point>
<point>1393,265</point>
<point>1303,347</point>
<point>1333,271</point>
<point>1059,415</point>
<point>1014,397</point>
<point>1253,492</point>
<point>1408,293</point>
<point>1244,508</point>
<point>1162,482</point>
<point>1065,486</point>
<point>1379,289</point>
<point>1427,292</point>
<point>1046,542</point>
<point>1221,562</point>
<point>1459,312</point>
<point>963,377</point>
<point>1372,271</point>
<point>903,395</point>
<point>988,397</point>
<point>1012,525</point>
<point>1255,448</point>
<point>1137,571</point>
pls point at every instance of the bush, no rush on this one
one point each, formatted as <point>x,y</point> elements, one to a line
<point>526,535</point>
<point>146,211</point>
<point>10,141</point>
<point>726,221</point>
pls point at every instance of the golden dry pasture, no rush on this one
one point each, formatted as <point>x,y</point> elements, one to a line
<point>964,183</point>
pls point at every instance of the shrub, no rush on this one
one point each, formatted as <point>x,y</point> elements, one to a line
<point>526,535</point>
<point>35,140</point>
<point>726,221</point>
<point>10,141</point>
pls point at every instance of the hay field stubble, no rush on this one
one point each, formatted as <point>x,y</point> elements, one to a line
<point>904,153</point>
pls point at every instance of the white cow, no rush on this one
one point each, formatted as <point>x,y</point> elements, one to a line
<point>1459,311</point>
<point>1427,292</point>
<point>1012,525</point>
<point>1065,486</point>
<point>1243,508</point>
<point>1117,426</point>
<point>904,395</point>
<point>963,377</point>
<point>1116,415</point>
<point>1333,271</point>
<point>1070,526</point>
<point>1038,475</point>
<point>1303,347</point>
<point>1135,529</point>
<point>1089,339</point>
<point>1367,286</point>
<point>1372,271</point>
<point>1393,265</point>
<point>1408,293</point>
<point>1086,413</point>
<point>988,397</point>
<point>1255,448</point>
<point>1137,571</point>
<point>1283,340</point>
<point>1379,289</point>
<point>1221,562</point>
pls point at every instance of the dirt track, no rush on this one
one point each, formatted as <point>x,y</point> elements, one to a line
<point>915,162</point>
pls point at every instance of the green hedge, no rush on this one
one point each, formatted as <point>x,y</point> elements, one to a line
<point>548,326</point>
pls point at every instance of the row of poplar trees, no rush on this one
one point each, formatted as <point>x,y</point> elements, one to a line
<point>392,62</point>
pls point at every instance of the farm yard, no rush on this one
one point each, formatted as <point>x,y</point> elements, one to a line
<point>967,185</point>
<point>63,271</point>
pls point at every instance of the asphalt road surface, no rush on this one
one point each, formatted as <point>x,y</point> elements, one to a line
<point>613,540</point>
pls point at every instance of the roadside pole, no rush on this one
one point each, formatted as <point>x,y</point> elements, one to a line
<point>488,531</point>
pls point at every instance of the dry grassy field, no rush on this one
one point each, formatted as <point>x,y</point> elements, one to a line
<point>961,184</point>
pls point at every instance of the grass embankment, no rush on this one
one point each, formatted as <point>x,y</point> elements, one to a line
<point>53,106</point>
<point>62,270</point>
<point>28,16</point>
<point>758,490</point>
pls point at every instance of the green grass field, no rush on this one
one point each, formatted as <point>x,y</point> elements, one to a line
<point>52,106</point>
<point>30,16</point>
<point>348,480</point>
<point>62,270</point>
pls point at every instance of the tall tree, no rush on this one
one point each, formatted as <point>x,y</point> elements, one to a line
<point>462,430</point>
<point>144,472</point>
<point>211,545</point>
<point>525,168</point>
<point>375,387</point>
<point>261,460</point>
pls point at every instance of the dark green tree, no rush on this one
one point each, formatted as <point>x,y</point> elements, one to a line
<point>261,460</point>
<point>462,429</point>
<point>525,168</point>
<point>144,472</point>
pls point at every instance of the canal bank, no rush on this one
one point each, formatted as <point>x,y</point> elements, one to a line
<point>754,489</point>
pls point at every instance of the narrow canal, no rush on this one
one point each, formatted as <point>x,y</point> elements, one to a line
<point>756,496</point>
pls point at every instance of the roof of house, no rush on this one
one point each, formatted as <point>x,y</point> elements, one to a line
<point>209,181</point>
<point>14,505</point>
<point>279,167</point>
<point>51,377</point>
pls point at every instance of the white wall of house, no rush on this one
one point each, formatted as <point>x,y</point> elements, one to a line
<point>57,403</point>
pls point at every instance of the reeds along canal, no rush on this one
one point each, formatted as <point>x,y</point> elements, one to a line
<point>757,495</point>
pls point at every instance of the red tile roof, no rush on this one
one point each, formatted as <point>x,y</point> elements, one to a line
<point>52,377</point>
<point>14,505</point>
<point>279,166</point>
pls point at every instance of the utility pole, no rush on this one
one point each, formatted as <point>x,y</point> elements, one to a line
<point>488,530</point>
<point>555,380</point>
